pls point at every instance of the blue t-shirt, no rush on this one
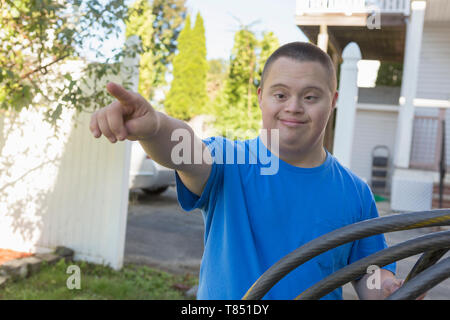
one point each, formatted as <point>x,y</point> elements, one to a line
<point>252,220</point>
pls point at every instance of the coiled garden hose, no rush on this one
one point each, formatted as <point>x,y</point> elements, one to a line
<point>423,282</point>
<point>426,260</point>
<point>380,259</point>
<point>363,229</point>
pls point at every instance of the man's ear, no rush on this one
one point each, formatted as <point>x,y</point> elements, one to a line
<point>259,91</point>
<point>335,98</point>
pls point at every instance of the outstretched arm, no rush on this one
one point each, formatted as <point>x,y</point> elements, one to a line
<point>132,117</point>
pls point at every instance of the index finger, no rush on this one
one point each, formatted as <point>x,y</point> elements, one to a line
<point>119,92</point>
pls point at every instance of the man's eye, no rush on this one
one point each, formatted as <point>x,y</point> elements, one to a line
<point>310,98</point>
<point>280,96</point>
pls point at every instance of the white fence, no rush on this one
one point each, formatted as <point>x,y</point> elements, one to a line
<point>69,190</point>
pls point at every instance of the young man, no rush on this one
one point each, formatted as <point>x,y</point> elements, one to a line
<point>254,217</point>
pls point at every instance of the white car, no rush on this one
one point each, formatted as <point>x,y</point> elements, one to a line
<point>147,174</point>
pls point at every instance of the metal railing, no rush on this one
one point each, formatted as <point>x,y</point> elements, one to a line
<point>352,6</point>
<point>426,145</point>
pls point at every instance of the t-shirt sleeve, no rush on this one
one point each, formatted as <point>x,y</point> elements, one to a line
<point>189,200</point>
<point>366,246</point>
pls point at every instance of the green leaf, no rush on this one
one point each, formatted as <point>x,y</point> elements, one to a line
<point>57,113</point>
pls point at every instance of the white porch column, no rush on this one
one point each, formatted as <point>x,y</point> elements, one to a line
<point>346,104</point>
<point>409,84</point>
<point>322,38</point>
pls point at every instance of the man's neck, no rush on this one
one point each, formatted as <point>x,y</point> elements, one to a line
<point>310,158</point>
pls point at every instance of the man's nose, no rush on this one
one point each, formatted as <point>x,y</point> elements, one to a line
<point>295,105</point>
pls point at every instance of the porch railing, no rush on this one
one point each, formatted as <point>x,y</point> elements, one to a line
<point>352,6</point>
<point>426,144</point>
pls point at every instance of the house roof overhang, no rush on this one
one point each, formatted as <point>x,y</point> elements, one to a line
<point>385,44</point>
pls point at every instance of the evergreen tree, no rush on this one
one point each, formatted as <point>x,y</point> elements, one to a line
<point>390,74</point>
<point>236,108</point>
<point>158,24</point>
<point>267,45</point>
<point>187,96</point>
<point>178,101</point>
<point>140,23</point>
<point>200,67</point>
<point>217,73</point>
<point>169,16</point>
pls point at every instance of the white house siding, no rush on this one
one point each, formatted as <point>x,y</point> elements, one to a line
<point>378,128</point>
<point>434,67</point>
<point>372,128</point>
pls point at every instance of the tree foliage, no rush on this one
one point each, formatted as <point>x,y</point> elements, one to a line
<point>217,73</point>
<point>169,16</point>
<point>267,45</point>
<point>177,101</point>
<point>236,107</point>
<point>187,95</point>
<point>140,23</point>
<point>158,24</point>
<point>38,37</point>
<point>390,74</point>
<point>199,67</point>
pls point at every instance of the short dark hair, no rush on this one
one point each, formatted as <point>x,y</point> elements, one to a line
<point>303,52</point>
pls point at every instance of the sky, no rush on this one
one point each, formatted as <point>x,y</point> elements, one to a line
<point>222,19</point>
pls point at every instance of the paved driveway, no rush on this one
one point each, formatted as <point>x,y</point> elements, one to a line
<point>161,234</point>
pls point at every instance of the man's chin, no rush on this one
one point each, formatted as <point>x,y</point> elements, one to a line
<point>287,140</point>
<point>291,143</point>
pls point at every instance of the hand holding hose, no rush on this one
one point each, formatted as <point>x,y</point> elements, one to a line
<point>390,285</point>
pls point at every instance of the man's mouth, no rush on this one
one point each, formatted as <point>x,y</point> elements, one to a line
<point>292,122</point>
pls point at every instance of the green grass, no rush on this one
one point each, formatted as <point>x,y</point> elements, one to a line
<point>99,283</point>
<point>379,198</point>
